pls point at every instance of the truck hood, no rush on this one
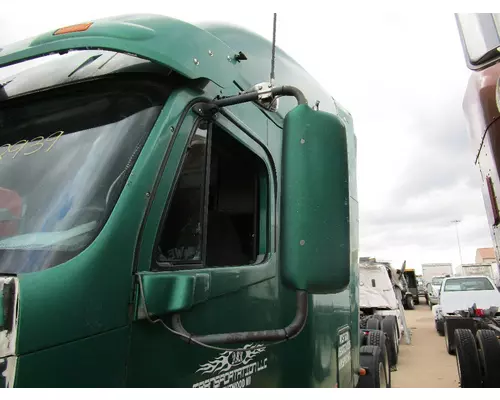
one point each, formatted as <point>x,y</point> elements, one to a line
<point>453,301</point>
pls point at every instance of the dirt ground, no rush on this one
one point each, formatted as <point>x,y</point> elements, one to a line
<point>424,363</point>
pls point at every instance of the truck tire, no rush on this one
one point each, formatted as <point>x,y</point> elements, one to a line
<point>409,303</point>
<point>362,338</point>
<point>469,368</point>
<point>439,327</point>
<point>427,300</point>
<point>489,357</point>
<point>370,357</point>
<point>378,338</point>
<point>389,327</point>
<point>417,301</point>
<point>373,323</point>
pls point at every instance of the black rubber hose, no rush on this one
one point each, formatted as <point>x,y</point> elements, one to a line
<point>290,91</point>
<point>238,99</point>
<point>253,96</point>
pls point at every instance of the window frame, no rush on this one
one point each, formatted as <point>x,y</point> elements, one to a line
<point>263,217</point>
<point>187,264</point>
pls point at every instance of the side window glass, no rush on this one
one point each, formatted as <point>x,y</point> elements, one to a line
<point>218,214</point>
<point>181,238</point>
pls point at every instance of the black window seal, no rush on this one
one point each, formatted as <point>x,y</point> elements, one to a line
<point>158,179</point>
<point>179,264</point>
<point>206,191</point>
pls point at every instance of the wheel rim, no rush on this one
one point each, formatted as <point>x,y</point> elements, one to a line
<point>382,377</point>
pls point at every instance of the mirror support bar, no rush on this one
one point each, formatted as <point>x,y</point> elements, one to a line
<point>292,330</point>
<point>254,96</point>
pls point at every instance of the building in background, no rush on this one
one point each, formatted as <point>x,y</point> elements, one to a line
<point>485,255</point>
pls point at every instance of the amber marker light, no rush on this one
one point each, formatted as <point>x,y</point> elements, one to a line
<point>73,28</point>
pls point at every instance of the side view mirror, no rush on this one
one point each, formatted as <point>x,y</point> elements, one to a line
<point>480,36</point>
<point>314,229</point>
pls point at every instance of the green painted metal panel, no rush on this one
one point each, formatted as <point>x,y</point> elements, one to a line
<point>77,317</point>
<point>183,47</point>
<point>97,361</point>
<point>314,229</point>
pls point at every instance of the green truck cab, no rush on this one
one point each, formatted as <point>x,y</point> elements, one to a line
<point>170,220</point>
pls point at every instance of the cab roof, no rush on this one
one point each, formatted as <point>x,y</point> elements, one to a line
<point>205,51</point>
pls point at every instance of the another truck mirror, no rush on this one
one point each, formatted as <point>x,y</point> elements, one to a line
<point>314,228</point>
<point>480,36</point>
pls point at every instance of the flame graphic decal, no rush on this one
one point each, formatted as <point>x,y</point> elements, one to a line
<point>230,359</point>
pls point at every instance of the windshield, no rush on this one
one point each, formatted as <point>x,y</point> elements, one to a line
<point>437,281</point>
<point>64,157</point>
<point>467,284</point>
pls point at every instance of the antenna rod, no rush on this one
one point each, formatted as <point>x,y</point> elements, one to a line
<point>273,55</point>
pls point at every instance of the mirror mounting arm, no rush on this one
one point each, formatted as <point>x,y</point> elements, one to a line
<point>208,110</point>
<point>254,96</point>
<point>290,91</point>
<point>287,333</point>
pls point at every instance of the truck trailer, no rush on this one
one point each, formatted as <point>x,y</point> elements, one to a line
<point>484,269</point>
<point>179,209</point>
<point>431,270</point>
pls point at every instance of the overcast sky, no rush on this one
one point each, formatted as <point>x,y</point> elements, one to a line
<point>402,77</point>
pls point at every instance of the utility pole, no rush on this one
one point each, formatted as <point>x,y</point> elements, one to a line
<point>456,222</point>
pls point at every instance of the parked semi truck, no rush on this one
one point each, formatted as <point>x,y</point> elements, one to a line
<point>477,324</point>
<point>479,34</point>
<point>380,307</point>
<point>174,215</point>
<point>412,285</point>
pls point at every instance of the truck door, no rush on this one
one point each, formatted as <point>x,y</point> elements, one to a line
<point>217,223</point>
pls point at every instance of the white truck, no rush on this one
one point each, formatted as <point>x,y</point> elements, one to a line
<point>436,269</point>
<point>469,319</point>
<point>485,269</point>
